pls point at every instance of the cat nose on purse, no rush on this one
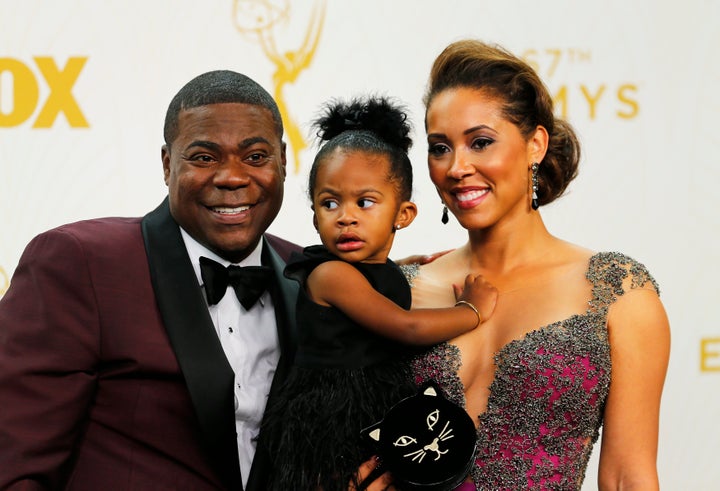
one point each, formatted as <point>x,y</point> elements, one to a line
<point>426,441</point>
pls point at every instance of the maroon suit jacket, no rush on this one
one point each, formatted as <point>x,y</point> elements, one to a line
<point>111,374</point>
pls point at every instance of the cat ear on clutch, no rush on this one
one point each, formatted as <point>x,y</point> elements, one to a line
<point>431,389</point>
<point>374,434</point>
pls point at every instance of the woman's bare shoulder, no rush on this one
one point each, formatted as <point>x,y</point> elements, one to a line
<point>567,252</point>
<point>433,282</point>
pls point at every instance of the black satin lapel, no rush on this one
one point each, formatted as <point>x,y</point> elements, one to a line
<point>284,294</point>
<point>207,373</point>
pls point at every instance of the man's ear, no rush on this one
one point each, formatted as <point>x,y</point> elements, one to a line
<point>406,214</point>
<point>283,159</point>
<point>165,156</point>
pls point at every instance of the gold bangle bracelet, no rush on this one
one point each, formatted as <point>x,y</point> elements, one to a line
<point>474,309</point>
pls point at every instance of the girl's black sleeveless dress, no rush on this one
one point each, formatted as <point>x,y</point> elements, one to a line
<point>344,379</point>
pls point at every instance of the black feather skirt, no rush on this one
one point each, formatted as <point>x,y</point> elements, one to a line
<point>312,429</point>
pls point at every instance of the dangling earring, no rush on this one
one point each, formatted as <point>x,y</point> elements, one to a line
<point>534,202</point>
<point>445,217</point>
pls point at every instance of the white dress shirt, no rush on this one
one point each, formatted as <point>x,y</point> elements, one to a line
<point>250,341</point>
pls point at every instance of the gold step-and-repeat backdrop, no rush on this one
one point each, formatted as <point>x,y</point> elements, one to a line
<point>84,85</point>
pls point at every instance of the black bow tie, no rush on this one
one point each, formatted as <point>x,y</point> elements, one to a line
<point>249,282</point>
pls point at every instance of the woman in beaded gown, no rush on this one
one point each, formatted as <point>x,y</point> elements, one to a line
<point>578,339</point>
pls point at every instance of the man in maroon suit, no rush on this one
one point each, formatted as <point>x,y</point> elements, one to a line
<point>117,369</point>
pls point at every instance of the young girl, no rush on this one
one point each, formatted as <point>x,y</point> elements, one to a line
<point>355,330</point>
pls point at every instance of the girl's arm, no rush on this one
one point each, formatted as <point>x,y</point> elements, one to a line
<point>639,350</point>
<point>341,285</point>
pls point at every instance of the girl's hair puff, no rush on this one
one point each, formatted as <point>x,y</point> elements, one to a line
<point>375,125</point>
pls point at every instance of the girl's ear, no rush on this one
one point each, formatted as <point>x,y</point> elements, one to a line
<point>406,214</point>
<point>315,222</point>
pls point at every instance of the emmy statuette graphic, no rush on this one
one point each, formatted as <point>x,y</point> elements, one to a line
<point>259,20</point>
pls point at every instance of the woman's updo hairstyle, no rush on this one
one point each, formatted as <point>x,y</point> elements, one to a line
<point>526,103</point>
<point>375,125</point>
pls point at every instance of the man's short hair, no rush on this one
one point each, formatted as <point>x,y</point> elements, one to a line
<point>218,87</point>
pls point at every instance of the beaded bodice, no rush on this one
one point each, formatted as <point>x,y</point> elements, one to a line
<point>547,398</point>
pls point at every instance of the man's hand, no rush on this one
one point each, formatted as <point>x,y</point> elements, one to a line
<point>421,259</point>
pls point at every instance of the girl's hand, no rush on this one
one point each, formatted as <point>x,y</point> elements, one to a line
<point>480,293</point>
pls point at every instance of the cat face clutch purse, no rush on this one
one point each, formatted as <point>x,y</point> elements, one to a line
<point>426,441</point>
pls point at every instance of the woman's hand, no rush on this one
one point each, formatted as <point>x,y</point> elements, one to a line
<point>377,479</point>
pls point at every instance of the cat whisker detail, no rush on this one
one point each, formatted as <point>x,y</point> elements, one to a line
<point>446,432</point>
